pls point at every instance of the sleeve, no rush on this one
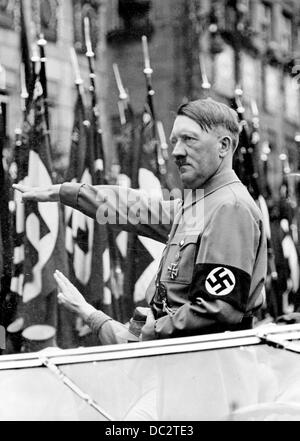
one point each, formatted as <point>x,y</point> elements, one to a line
<point>220,287</point>
<point>123,208</point>
<point>109,331</point>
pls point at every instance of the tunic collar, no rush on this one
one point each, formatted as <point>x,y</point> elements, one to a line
<point>214,183</point>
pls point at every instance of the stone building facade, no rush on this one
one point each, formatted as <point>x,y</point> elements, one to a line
<point>61,24</point>
<point>254,44</point>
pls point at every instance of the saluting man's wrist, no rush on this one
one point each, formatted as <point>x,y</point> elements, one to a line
<point>55,192</point>
<point>86,311</point>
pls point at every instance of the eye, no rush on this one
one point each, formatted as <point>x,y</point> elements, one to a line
<point>188,138</point>
<point>173,141</point>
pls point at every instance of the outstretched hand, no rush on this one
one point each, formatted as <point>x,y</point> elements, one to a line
<point>38,194</point>
<point>70,297</point>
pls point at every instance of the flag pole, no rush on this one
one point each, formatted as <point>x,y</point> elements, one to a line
<point>99,170</point>
<point>123,95</point>
<point>122,92</point>
<point>43,76</point>
<point>205,84</point>
<point>157,131</point>
<point>24,91</point>
<point>148,71</point>
<point>99,165</point>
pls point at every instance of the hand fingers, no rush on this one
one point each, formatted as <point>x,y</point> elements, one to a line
<point>59,281</point>
<point>68,302</point>
<point>68,290</point>
<point>65,303</point>
<point>60,298</point>
<point>60,275</point>
<point>64,283</point>
<point>70,295</point>
<point>22,188</point>
<point>27,193</point>
<point>29,196</point>
<point>63,299</point>
<point>65,280</point>
<point>58,278</point>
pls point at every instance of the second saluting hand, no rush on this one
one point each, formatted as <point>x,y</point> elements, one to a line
<point>39,194</point>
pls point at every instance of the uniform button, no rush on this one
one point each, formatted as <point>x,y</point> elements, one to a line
<point>177,256</point>
<point>181,243</point>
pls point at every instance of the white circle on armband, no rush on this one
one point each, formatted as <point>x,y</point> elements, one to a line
<point>220,281</point>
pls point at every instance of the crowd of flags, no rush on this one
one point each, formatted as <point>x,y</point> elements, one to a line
<point>280,211</point>
<point>280,218</point>
<point>110,269</point>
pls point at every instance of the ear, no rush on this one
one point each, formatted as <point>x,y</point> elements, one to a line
<point>225,145</point>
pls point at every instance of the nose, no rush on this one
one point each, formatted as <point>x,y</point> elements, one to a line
<point>179,150</point>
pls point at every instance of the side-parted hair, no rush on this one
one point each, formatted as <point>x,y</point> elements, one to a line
<point>211,114</point>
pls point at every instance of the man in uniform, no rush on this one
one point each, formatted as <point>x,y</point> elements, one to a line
<point>213,268</point>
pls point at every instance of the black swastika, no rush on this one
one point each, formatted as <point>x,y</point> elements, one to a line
<point>220,280</point>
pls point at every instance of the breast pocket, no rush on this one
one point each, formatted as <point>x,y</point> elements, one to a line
<point>180,258</point>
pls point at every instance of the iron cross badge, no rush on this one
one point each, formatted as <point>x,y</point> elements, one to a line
<point>173,270</point>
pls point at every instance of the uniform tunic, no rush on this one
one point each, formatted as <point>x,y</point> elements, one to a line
<point>213,268</point>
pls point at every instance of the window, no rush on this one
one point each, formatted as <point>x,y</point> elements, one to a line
<point>265,17</point>
<point>273,169</point>
<point>82,9</point>
<point>230,16</point>
<point>224,72</point>
<point>44,15</point>
<point>134,12</point>
<point>297,38</point>
<point>6,14</point>
<point>49,19</point>
<point>291,100</point>
<point>243,15</point>
<point>293,153</point>
<point>286,33</point>
<point>272,89</point>
<point>250,74</point>
<point>113,17</point>
<point>237,15</point>
<point>129,19</point>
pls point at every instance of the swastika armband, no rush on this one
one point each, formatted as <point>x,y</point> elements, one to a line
<point>224,282</point>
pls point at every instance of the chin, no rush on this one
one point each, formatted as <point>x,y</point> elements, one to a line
<point>190,183</point>
<point>186,180</point>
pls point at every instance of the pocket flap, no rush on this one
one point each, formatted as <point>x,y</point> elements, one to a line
<point>181,255</point>
<point>185,239</point>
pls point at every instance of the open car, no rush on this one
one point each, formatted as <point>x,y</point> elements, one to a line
<point>246,375</point>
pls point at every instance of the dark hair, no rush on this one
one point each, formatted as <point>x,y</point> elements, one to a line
<point>210,114</point>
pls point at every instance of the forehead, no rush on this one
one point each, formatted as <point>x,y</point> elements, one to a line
<point>183,124</point>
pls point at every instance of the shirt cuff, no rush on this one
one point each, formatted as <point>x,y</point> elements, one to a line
<point>96,320</point>
<point>69,192</point>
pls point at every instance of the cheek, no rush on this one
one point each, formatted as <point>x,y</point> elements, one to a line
<point>212,156</point>
<point>195,155</point>
<point>200,159</point>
